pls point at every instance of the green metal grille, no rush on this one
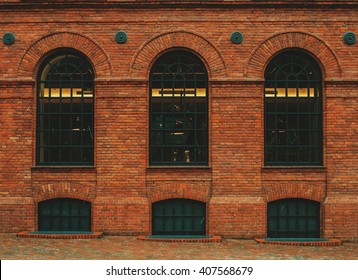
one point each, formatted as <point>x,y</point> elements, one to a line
<point>293,218</point>
<point>293,110</point>
<point>64,214</point>
<point>65,111</point>
<point>178,110</point>
<point>179,217</point>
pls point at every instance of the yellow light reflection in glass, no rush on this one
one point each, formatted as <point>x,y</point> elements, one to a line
<point>289,92</point>
<point>178,92</point>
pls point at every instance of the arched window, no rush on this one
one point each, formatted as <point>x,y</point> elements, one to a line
<point>293,218</point>
<point>65,110</point>
<point>178,110</point>
<point>179,217</point>
<point>64,214</point>
<point>293,110</point>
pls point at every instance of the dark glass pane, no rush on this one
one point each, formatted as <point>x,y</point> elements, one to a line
<point>62,214</point>
<point>181,217</point>
<point>178,109</point>
<point>297,218</point>
<point>65,91</point>
<point>292,97</point>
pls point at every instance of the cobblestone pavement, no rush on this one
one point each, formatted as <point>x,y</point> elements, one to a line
<point>129,248</point>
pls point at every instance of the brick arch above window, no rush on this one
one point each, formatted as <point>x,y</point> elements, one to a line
<point>64,189</point>
<point>311,191</point>
<point>33,55</point>
<point>184,191</point>
<point>150,50</point>
<point>261,55</point>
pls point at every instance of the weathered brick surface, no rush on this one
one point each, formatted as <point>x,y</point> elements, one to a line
<point>236,186</point>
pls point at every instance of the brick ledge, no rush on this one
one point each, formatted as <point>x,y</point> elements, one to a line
<point>329,242</point>
<point>212,239</point>
<point>28,234</point>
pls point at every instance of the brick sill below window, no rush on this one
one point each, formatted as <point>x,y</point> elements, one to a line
<point>302,167</point>
<point>55,167</point>
<point>178,167</point>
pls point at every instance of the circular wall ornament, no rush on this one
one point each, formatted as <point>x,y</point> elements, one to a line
<point>121,37</point>
<point>349,38</point>
<point>236,37</point>
<point>8,38</point>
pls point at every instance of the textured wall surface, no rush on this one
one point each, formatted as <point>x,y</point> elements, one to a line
<point>236,186</point>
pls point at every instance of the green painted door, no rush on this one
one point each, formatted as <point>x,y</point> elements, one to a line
<point>179,217</point>
<point>64,214</point>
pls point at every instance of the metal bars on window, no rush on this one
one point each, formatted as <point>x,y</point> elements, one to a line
<point>64,214</point>
<point>178,110</point>
<point>179,217</point>
<point>293,218</point>
<point>65,111</point>
<point>293,110</point>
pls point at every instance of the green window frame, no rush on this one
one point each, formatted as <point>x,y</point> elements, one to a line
<point>293,110</point>
<point>65,118</point>
<point>179,217</point>
<point>64,214</point>
<point>293,218</point>
<point>178,110</point>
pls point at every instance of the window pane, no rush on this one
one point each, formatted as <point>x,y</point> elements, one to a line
<point>178,110</point>
<point>65,111</point>
<point>293,114</point>
<point>179,217</point>
<point>296,218</point>
<point>62,214</point>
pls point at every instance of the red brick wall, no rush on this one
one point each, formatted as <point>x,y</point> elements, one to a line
<point>236,186</point>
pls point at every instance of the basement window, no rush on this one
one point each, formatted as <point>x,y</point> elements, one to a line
<point>64,215</point>
<point>179,217</point>
<point>293,218</point>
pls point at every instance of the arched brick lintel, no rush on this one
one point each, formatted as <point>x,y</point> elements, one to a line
<point>314,192</point>
<point>29,62</point>
<point>143,59</point>
<point>64,189</point>
<point>256,64</point>
<point>159,193</point>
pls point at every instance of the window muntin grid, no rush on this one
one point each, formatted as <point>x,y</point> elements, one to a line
<point>65,111</point>
<point>293,218</point>
<point>178,110</point>
<point>179,217</point>
<point>293,110</point>
<point>64,214</point>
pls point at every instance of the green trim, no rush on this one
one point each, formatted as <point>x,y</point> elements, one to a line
<point>298,239</point>
<point>60,232</point>
<point>236,37</point>
<point>179,236</point>
<point>8,38</point>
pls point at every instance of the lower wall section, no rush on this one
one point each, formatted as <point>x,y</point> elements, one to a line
<point>123,216</point>
<point>240,217</point>
<point>17,214</point>
<point>230,217</point>
<point>341,217</point>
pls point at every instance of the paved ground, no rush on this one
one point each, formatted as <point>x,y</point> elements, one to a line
<point>129,248</point>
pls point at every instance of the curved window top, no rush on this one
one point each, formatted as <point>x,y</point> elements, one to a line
<point>70,68</point>
<point>178,73</point>
<point>293,66</point>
